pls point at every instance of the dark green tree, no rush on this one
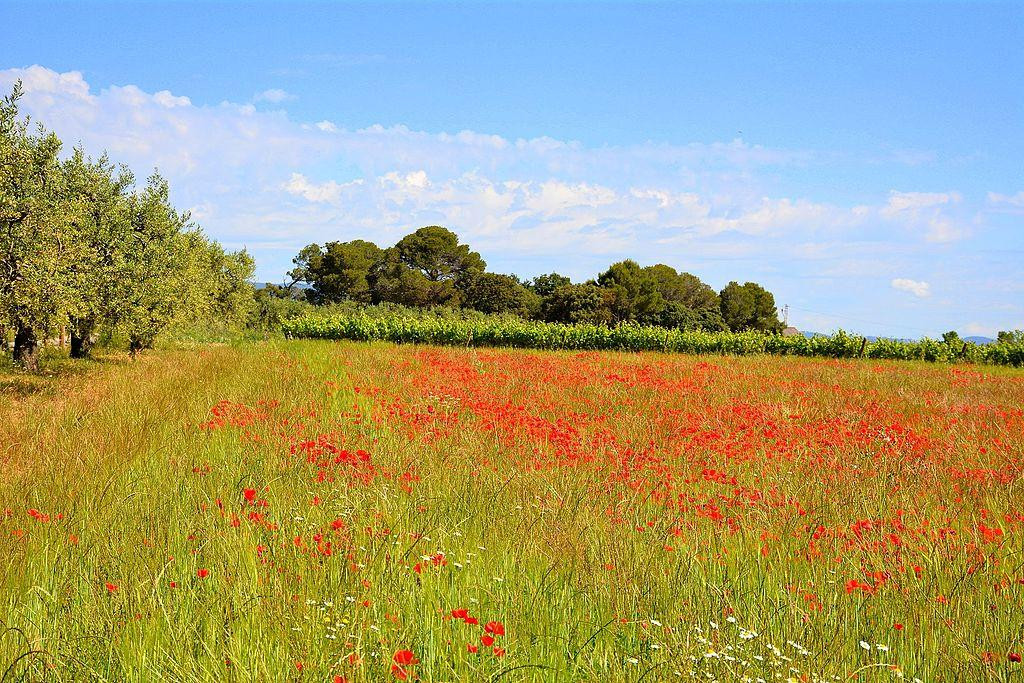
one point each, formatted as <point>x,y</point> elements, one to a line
<point>339,271</point>
<point>683,288</point>
<point>635,295</point>
<point>690,303</point>
<point>583,303</point>
<point>545,284</point>
<point>437,254</point>
<point>749,307</point>
<point>304,260</point>
<point>496,293</point>
<point>425,268</point>
<point>391,280</point>
<point>679,316</point>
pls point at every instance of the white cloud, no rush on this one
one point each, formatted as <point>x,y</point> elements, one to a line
<point>1013,203</point>
<point>329,191</point>
<point>274,96</point>
<point>926,211</point>
<point>42,82</point>
<point>904,202</point>
<point>166,99</point>
<point>915,287</point>
<point>1013,199</point>
<point>408,182</point>
<point>259,177</point>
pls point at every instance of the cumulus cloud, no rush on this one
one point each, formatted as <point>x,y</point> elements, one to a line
<point>274,96</point>
<point>258,177</point>
<point>915,287</point>
<point>329,191</point>
<point>165,99</point>
<point>925,211</point>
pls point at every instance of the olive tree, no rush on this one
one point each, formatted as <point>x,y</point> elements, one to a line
<point>99,212</point>
<point>36,241</point>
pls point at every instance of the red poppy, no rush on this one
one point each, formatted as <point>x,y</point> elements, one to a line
<point>111,587</point>
<point>498,651</point>
<point>338,524</point>
<point>402,659</point>
<point>203,573</point>
<point>472,649</point>
<point>1014,657</point>
<point>250,494</point>
<point>495,627</point>
<point>487,640</point>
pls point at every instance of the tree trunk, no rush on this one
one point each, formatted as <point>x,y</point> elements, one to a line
<point>81,339</point>
<point>26,348</point>
<point>81,346</point>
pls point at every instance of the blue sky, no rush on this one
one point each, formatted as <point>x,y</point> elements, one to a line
<point>863,161</point>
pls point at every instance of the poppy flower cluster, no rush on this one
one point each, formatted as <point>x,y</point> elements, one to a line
<point>830,485</point>
<point>401,662</point>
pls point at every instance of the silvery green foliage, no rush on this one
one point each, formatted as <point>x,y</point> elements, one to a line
<point>37,248</point>
<point>83,249</point>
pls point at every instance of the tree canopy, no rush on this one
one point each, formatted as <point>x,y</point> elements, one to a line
<point>635,296</point>
<point>749,307</point>
<point>431,267</point>
<point>497,293</point>
<point>83,249</point>
<point>437,254</point>
<point>338,271</point>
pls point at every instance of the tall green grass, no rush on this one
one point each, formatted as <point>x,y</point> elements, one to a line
<point>517,333</point>
<point>593,580</point>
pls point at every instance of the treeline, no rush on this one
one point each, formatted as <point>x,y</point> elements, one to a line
<point>85,252</point>
<point>430,268</point>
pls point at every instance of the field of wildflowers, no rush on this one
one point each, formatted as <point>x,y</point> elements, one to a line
<point>342,511</point>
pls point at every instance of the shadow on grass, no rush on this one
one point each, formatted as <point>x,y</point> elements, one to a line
<point>55,369</point>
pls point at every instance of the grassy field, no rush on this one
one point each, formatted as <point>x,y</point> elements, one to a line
<point>337,511</point>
